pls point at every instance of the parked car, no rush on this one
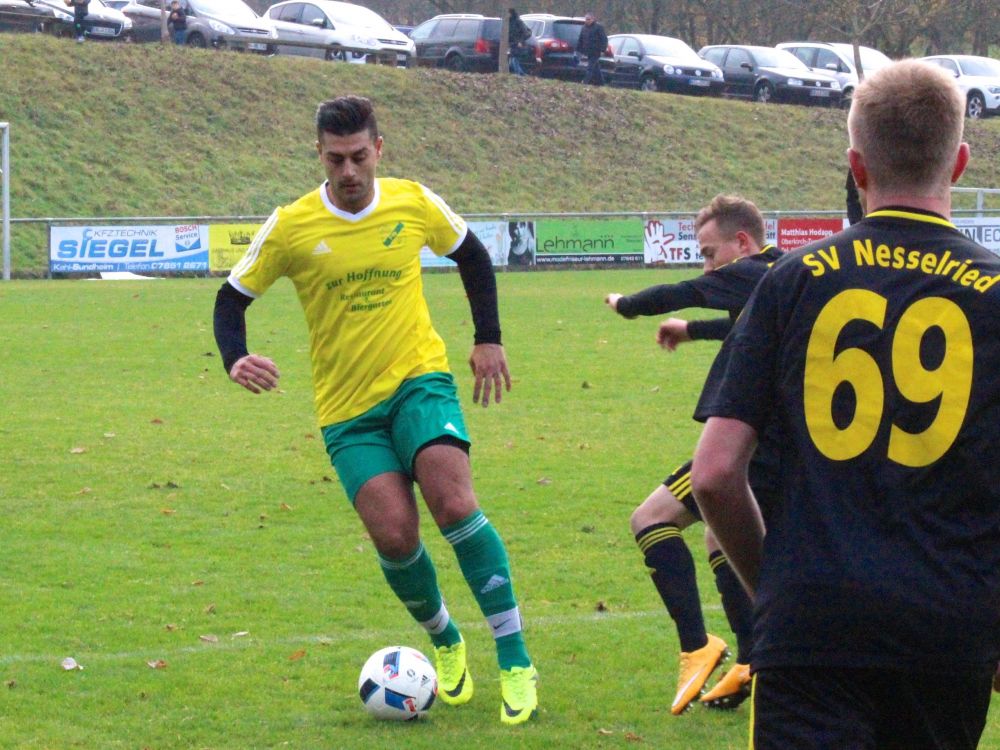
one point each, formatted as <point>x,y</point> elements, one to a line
<point>347,31</point>
<point>554,40</point>
<point>979,79</point>
<point>101,22</point>
<point>224,24</point>
<point>766,74</point>
<point>25,15</point>
<point>459,41</point>
<point>662,63</point>
<point>837,58</point>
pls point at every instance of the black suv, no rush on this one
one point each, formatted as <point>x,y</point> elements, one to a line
<point>553,41</point>
<point>459,41</point>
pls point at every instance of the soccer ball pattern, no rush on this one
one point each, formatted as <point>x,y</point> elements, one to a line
<point>397,683</point>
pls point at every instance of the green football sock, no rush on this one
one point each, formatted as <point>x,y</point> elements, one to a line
<point>483,560</point>
<point>414,580</point>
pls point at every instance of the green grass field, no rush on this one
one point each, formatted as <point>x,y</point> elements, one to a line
<point>156,514</point>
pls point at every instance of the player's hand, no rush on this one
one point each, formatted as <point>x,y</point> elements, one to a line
<point>612,301</point>
<point>489,365</point>
<point>672,331</point>
<point>255,373</point>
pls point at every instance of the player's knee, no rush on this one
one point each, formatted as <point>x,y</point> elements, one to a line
<point>395,542</point>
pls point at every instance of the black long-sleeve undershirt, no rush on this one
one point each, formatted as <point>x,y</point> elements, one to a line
<point>230,324</point>
<point>476,269</point>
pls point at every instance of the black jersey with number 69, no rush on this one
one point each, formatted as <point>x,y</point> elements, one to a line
<point>877,354</point>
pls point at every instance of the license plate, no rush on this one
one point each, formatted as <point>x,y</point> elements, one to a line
<point>819,92</point>
<point>257,46</point>
<point>102,31</point>
<point>697,82</point>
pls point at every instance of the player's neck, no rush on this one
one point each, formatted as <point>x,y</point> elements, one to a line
<point>940,205</point>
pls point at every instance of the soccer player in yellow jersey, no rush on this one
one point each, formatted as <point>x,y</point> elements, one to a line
<point>385,398</point>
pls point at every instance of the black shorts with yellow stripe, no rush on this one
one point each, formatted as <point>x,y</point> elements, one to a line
<point>679,484</point>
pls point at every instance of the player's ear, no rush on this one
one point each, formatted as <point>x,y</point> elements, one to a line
<point>858,168</point>
<point>961,162</point>
<point>378,145</point>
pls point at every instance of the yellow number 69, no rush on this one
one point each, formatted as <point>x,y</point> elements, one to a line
<point>825,371</point>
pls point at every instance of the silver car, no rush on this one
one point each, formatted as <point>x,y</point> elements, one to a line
<point>837,59</point>
<point>224,24</point>
<point>979,79</point>
<point>101,21</point>
<point>338,31</point>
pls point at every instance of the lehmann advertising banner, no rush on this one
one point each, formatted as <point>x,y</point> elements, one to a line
<point>173,248</point>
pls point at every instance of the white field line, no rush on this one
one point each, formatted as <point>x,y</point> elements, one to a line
<point>242,643</point>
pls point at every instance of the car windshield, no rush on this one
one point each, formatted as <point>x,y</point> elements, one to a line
<point>568,31</point>
<point>871,59</point>
<point>356,15</point>
<point>980,66</point>
<point>235,10</point>
<point>667,47</point>
<point>777,58</point>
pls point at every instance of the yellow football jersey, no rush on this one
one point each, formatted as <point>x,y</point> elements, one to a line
<point>358,279</point>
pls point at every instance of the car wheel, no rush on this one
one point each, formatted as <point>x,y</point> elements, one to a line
<point>975,105</point>
<point>845,102</point>
<point>455,63</point>
<point>196,40</point>
<point>764,92</point>
<point>648,83</point>
<point>336,54</point>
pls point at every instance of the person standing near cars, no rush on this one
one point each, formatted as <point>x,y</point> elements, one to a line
<point>517,34</point>
<point>592,44</point>
<point>80,10</point>
<point>177,21</point>
<point>385,397</point>
<point>875,353</point>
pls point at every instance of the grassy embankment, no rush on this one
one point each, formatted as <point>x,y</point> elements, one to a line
<point>150,130</point>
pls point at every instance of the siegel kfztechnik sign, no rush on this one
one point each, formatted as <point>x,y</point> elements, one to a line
<point>86,249</point>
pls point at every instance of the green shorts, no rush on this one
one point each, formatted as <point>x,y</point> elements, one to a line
<point>388,436</point>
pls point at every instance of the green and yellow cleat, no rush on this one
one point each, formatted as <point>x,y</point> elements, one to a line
<point>519,693</point>
<point>454,680</point>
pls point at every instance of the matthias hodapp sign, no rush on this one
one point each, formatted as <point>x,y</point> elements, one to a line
<point>179,247</point>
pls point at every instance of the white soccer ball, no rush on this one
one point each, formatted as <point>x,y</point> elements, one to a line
<point>397,683</point>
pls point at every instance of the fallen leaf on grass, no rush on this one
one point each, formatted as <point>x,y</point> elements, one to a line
<point>157,664</point>
<point>655,389</point>
<point>167,511</point>
<point>605,732</point>
<point>170,627</point>
<point>156,420</point>
<point>241,634</point>
<point>544,481</point>
<point>69,664</point>
<point>632,737</point>
<point>586,384</point>
<point>109,435</point>
<point>78,449</point>
<point>284,506</point>
<point>601,607</point>
<point>297,655</point>
<point>210,609</point>
<point>209,638</point>
<point>11,684</point>
<point>84,491</point>
<point>199,582</point>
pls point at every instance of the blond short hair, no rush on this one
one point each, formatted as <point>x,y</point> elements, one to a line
<point>907,120</point>
<point>732,214</point>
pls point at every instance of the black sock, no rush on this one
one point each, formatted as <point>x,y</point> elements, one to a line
<point>672,570</point>
<point>736,603</point>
